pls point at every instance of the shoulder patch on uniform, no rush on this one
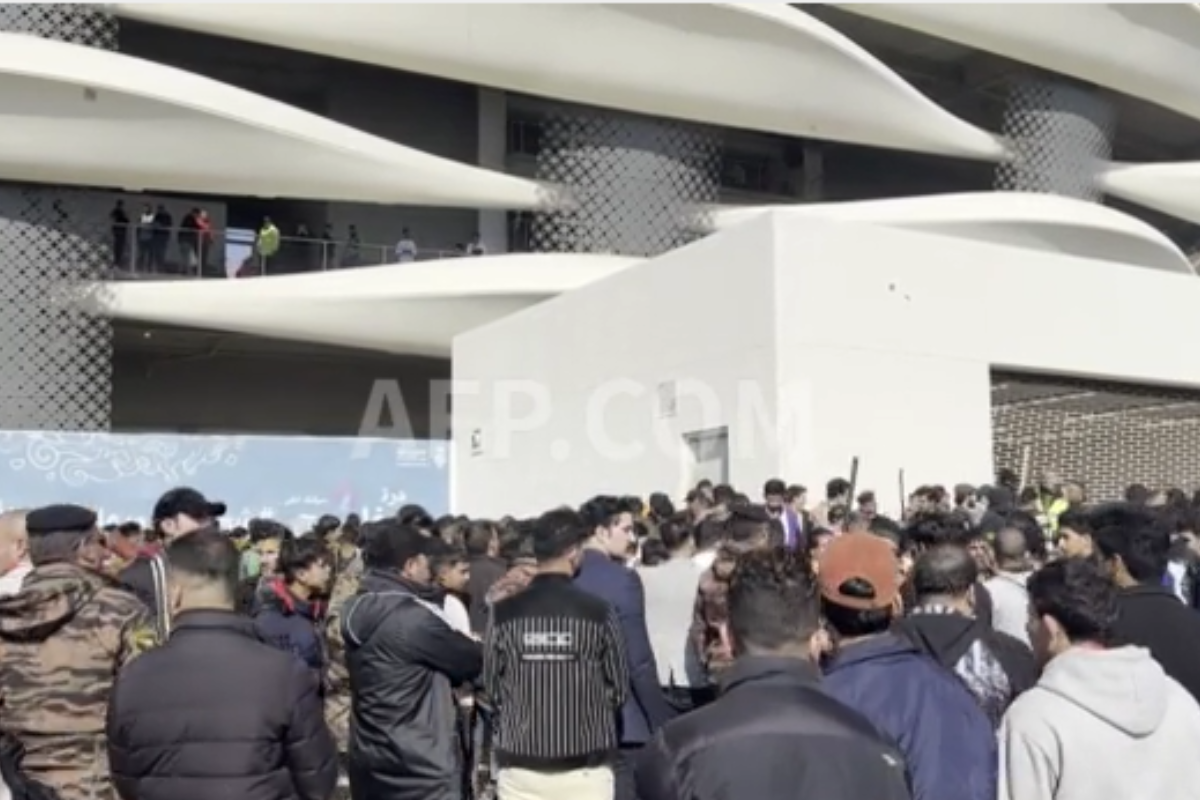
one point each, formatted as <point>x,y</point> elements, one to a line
<point>142,637</point>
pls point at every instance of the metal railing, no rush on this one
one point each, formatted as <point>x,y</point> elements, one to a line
<point>137,254</point>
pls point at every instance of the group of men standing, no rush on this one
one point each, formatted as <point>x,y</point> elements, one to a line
<point>854,659</point>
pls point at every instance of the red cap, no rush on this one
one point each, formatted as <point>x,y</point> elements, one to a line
<point>863,556</point>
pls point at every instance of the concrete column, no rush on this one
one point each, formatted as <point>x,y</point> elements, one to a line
<point>55,353</point>
<point>813,190</point>
<point>493,141</point>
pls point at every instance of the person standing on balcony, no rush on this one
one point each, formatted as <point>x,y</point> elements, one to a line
<point>145,238</point>
<point>204,239</point>
<point>352,256</point>
<point>406,248</point>
<point>163,224</point>
<point>305,250</point>
<point>267,243</point>
<point>120,234</point>
<point>476,247</point>
<point>328,247</point>
<point>189,243</point>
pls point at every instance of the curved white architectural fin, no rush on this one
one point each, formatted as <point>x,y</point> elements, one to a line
<point>78,115</point>
<point>1033,221</point>
<point>414,309</point>
<point>1172,188</point>
<point>1147,50</point>
<point>765,67</point>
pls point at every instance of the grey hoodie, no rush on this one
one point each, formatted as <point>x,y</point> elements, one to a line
<point>1101,725</point>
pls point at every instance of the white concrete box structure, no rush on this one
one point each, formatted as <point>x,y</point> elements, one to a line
<point>809,342</point>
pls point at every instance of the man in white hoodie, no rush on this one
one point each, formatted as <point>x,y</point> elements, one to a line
<point>1103,723</point>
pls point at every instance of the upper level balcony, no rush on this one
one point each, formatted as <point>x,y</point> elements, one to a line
<point>148,253</point>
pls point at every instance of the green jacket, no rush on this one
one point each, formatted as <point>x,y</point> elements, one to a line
<point>268,240</point>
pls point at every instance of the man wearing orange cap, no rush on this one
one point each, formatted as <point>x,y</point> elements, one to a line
<point>943,733</point>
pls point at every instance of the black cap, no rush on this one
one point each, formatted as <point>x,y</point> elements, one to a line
<point>60,519</point>
<point>326,524</point>
<point>185,500</point>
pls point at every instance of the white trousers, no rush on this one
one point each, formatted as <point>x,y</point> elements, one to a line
<point>580,784</point>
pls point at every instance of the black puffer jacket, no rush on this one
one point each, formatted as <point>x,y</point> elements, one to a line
<point>216,713</point>
<point>403,659</point>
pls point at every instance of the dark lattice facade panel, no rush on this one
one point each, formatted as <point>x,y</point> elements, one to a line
<point>624,185</point>
<point>55,351</point>
<point>1108,435</point>
<point>78,23</point>
<point>1059,134</point>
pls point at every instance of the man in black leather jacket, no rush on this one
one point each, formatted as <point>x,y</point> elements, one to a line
<point>404,660</point>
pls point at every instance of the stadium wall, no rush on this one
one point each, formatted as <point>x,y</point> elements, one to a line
<point>525,385</point>
<point>871,342</point>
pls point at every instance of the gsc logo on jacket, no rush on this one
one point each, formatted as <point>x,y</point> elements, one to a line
<point>548,646</point>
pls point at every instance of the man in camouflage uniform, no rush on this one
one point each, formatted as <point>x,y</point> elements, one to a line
<point>337,678</point>
<point>62,640</point>
<point>747,529</point>
<point>337,688</point>
<point>710,615</point>
<point>512,582</point>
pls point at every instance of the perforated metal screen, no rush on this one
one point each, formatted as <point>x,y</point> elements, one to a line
<point>626,185</point>
<point>1059,134</point>
<point>1108,435</point>
<point>55,353</point>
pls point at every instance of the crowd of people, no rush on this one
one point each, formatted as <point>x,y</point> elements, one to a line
<point>1000,642</point>
<point>147,249</point>
<point>151,243</point>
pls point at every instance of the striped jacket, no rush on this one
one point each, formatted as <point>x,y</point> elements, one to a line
<point>555,668</point>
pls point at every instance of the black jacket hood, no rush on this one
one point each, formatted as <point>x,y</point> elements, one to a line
<point>945,637</point>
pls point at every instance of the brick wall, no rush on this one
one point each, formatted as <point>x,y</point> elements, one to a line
<point>1107,435</point>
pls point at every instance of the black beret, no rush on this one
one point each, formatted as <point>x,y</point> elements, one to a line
<point>60,519</point>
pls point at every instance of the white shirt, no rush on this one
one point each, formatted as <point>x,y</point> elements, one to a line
<point>670,600</point>
<point>406,251</point>
<point>1178,573</point>
<point>10,582</point>
<point>704,559</point>
<point>456,614</point>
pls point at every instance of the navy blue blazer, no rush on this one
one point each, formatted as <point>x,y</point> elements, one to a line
<point>645,710</point>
